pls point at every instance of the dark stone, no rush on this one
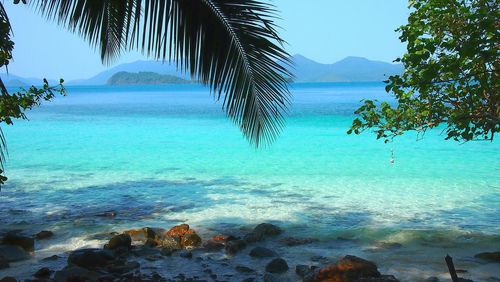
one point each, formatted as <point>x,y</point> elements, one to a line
<point>119,241</point>
<point>51,258</point>
<point>43,272</point>
<point>269,277</point>
<point>13,253</point>
<point>243,269</point>
<point>277,265</point>
<point>45,234</point>
<point>489,256</point>
<point>253,237</point>
<point>90,258</point>
<point>432,279</point>
<point>302,270</point>
<point>8,279</point>
<point>267,229</point>
<point>27,243</point>
<point>167,252</point>
<point>212,245</point>
<point>290,241</point>
<point>4,263</point>
<point>261,252</point>
<point>232,247</point>
<point>75,274</point>
<point>186,254</point>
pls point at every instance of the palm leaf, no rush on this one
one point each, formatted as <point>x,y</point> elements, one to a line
<point>230,45</point>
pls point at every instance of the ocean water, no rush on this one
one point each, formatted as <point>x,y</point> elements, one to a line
<point>161,155</point>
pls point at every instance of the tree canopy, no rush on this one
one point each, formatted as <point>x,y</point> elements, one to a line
<point>451,74</point>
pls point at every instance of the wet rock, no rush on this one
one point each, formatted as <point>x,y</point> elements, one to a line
<point>119,241</point>
<point>43,272</point>
<point>13,253</point>
<point>190,240</point>
<point>269,277</point>
<point>277,265</point>
<point>212,245</point>
<point>172,243</point>
<point>178,230</point>
<point>291,241</point>
<point>489,256</point>
<point>145,234</point>
<point>261,252</point>
<point>51,258</point>
<point>108,214</point>
<point>349,268</point>
<point>250,279</point>
<point>45,234</point>
<point>8,279</point>
<point>120,267</point>
<point>167,252</point>
<point>432,279</point>
<point>253,237</point>
<point>302,270</point>
<point>186,254</point>
<point>244,269</point>
<point>27,243</point>
<point>4,263</point>
<point>90,258</point>
<point>75,274</point>
<point>267,229</point>
<point>232,247</point>
<point>223,238</point>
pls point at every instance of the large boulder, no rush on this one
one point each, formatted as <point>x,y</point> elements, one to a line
<point>45,234</point>
<point>27,243</point>
<point>490,256</point>
<point>261,252</point>
<point>267,229</point>
<point>178,231</point>
<point>13,253</point>
<point>91,258</point>
<point>232,247</point>
<point>190,240</point>
<point>119,241</point>
<point>349,268</point>
<point>277,265</point>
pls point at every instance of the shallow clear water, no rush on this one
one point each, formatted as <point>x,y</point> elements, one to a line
<point>159,155</point>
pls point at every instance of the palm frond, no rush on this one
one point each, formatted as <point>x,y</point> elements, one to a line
<point>230,45</point>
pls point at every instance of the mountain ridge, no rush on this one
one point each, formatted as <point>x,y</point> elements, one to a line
<point>349,69</point>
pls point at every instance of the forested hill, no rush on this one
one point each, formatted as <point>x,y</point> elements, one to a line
<point>129,78</point>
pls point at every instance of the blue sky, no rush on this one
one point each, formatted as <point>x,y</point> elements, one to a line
<point>323,30</point>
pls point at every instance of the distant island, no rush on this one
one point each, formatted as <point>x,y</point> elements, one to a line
<point>350,69</point>
<point>129,78</point>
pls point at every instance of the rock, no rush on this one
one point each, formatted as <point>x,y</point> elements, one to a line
<point>267,229</point>
<point>145,234</point>
<point>90,258</point>
<point>243,269</point>
<point>27,243</point>
<point>190,240</point>
<point>8,279</point>
<point>232,247</point>
<point>4,263</point>
<point>277,265</point>
<point>290,241</point>
<point>13,253</point>
<point>178,231</point>
<point>186,254</point>
<point>108,214</point>
<point>45,234</point>
<point>43,272</point>
<point>223,238</point>
<point>489,256</point>
<point>302,270</point>
<point>51,258</point>
<point>119,241</point>
<point>253,237</point>
<point>349,268</point>
<point>212,245</point>
<point>75,274</point>
<point>261,252</point>
<point>170,243</point>
<point>432,279</point>
<point>120,267</point>
<point>167,252</point>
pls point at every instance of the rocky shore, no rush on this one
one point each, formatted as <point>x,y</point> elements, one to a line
<point>180,254</point>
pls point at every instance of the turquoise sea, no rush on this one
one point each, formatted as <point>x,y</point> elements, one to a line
<point>160,155</point>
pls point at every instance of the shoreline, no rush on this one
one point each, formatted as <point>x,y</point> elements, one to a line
<point>227,255</point>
